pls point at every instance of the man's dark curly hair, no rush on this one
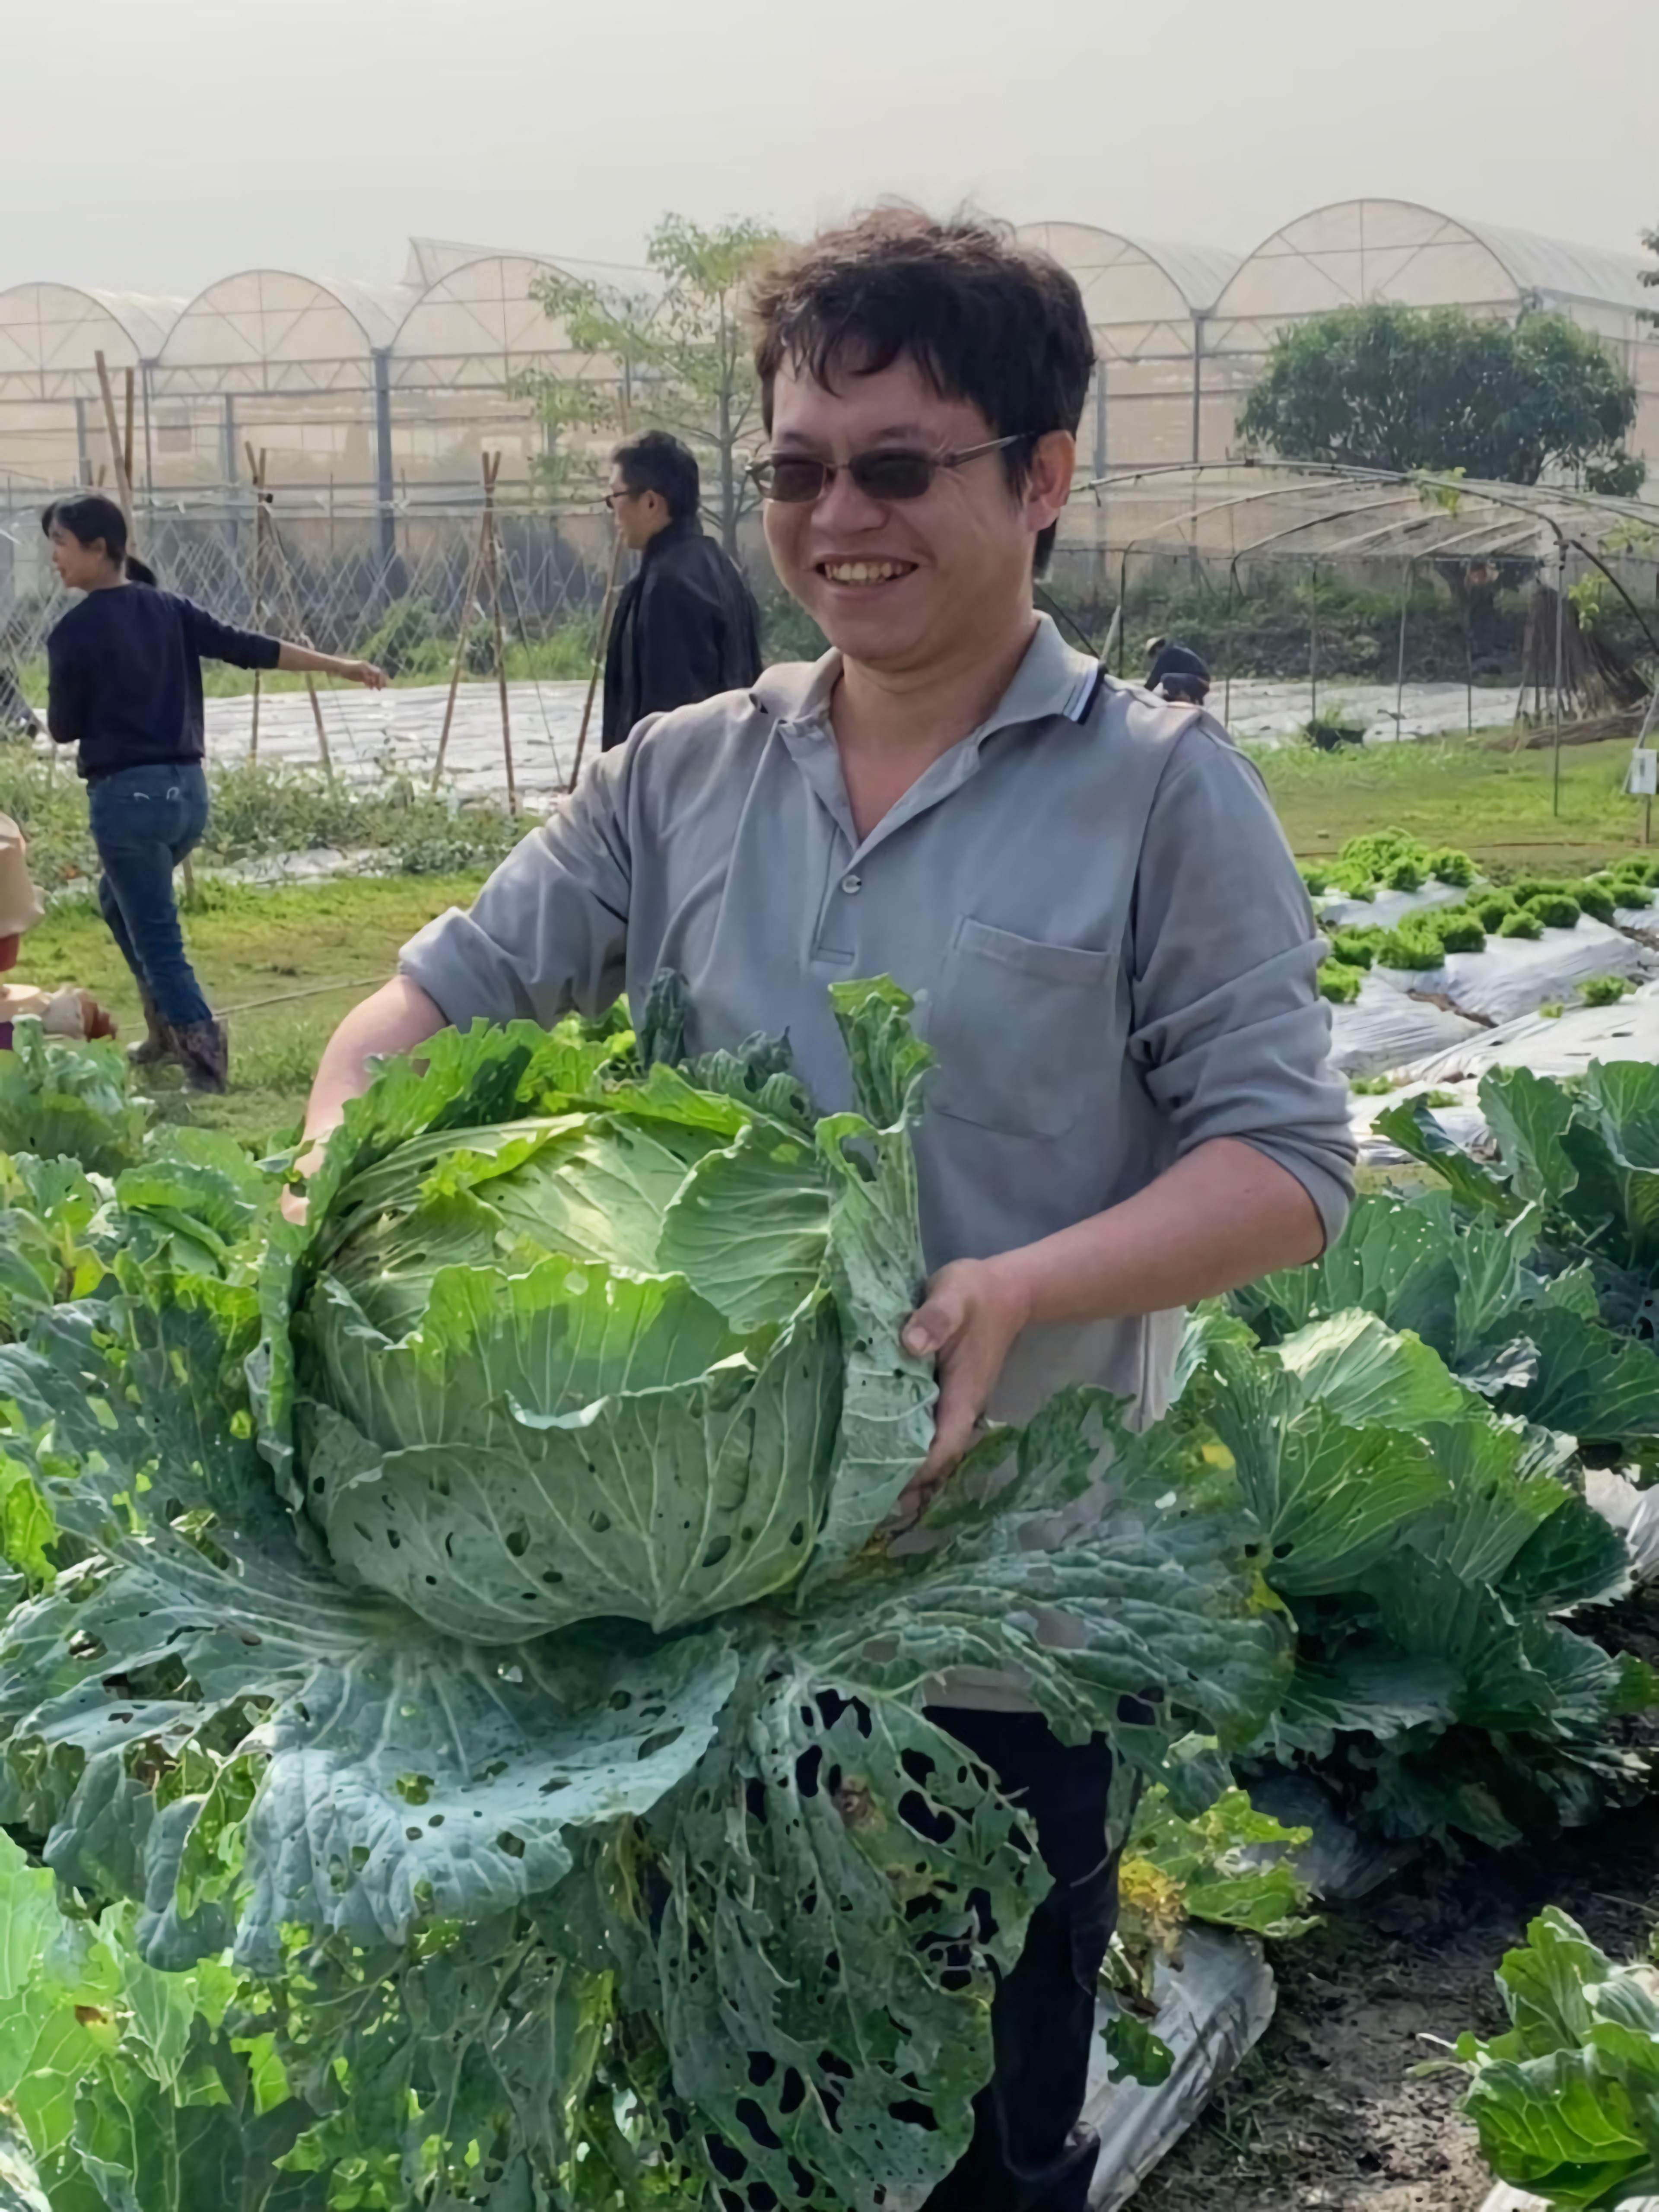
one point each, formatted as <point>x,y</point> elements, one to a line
<point>984,318</point>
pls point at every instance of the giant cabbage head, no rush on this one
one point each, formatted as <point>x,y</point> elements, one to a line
<point>579,1332</point>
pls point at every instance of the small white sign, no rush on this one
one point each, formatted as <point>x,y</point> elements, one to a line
<point>1643,780</point>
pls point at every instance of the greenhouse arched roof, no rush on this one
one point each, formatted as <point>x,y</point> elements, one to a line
<point>274,329</point>
<point>1133,280</point>
<point>1354,250</point>
<point>51,336</point>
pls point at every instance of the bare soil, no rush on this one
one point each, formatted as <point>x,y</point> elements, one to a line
<point>1328,2110</point>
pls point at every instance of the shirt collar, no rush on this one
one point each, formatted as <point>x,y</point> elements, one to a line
<point>1051,680</point>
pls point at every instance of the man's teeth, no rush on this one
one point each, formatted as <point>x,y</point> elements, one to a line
<point>864,572</point>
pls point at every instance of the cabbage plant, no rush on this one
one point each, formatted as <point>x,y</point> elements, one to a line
<point>474,1618</point>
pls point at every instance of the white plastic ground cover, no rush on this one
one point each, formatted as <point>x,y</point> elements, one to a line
<point>1562,1046</point>
<point>1385,1028</point>
<point>1633,1512</point>
<point>1211,2012</point>
<point>1516,975</point>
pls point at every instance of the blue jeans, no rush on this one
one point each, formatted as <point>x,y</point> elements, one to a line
<point>144,820</point>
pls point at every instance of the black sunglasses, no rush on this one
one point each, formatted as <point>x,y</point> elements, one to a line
<point>892,472</point>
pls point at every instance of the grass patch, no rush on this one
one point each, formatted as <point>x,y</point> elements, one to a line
<point>260,810</point>
<point>1494,805</point>
<point>251,945</point>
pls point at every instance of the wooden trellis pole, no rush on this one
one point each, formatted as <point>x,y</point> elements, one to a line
<point>255,469</point>
<point>484,575</point>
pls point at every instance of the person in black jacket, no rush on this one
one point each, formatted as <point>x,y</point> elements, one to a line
<point>686,625</point>
<point>125,677</point>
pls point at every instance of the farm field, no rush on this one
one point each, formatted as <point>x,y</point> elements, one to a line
<point>1330,2110</point>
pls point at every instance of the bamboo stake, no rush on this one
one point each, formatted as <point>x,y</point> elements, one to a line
<point>597,669</point>
<point>256,468</point>
<point>473,569</point>
<point>492,470</point>
<point>126,443</point>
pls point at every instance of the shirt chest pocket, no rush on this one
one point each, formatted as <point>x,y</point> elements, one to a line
<point>1025,1033</point>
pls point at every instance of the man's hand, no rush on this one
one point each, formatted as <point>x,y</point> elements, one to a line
<point>969,1318</point>
<point>366,673</point>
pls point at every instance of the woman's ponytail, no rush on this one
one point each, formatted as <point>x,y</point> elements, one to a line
<point>140,571</point>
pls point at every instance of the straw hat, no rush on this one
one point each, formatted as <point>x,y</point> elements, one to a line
<point>21,904</point>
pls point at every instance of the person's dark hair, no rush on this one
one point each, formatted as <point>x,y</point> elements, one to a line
<point>655,462</point>
<point>89,516</point>
<point>984,319</point>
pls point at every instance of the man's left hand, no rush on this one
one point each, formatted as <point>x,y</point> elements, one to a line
<point>968,1321</point>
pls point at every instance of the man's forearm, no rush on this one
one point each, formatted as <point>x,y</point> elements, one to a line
<point>395,1020</point>
<point>1220,1217</point>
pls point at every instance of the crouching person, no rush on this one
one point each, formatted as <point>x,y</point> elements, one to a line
<point>1084,890</point>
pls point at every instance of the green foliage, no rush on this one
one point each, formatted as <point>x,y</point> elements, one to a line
<point>1384,386</point>
<point>1523,922</point>
<point>1448,865</point>
<point>1605,990</point>
<point>62,1099</point>
<point>1355,948</point>
<point>1566,2101</point>
<point>1555,909</point>
<point>1457,929</point>
<point>409,641</point>
<point>681,355</point>
<point>1371,1086</point>
<point>1491,908</point>
<point>502,1916</point>
<point>1338,983</point>
<point>1412,950</point>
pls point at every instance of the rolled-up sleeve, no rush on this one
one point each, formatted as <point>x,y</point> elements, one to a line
<point>548,934</point>
<point>1227,1019</point>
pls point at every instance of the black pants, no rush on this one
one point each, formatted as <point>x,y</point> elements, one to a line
<point>1028,2153</point>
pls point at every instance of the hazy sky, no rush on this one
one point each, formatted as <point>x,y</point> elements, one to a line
<point>154,145</point>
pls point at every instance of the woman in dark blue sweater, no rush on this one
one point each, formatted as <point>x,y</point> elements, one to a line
<point>126,689</point>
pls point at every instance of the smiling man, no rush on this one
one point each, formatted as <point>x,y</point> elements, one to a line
<point>1085,889</point>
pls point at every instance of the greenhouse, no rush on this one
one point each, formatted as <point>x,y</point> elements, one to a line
<point>392,391</point>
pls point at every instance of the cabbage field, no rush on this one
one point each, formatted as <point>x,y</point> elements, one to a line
<point>463,1730</point>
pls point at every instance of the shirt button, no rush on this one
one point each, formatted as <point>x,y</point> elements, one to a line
<point>851,883</point>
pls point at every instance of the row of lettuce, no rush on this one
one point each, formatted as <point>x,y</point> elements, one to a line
<point>462,1732</point>
<point>1419,940</point>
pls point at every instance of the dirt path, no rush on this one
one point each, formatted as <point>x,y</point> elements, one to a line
<point>1325,2112</point>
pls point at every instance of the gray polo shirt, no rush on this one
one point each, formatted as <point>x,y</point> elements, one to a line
<point>1111,952</point>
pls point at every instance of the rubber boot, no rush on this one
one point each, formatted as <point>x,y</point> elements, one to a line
<point>159,1044</point>
<point>205,1051</point>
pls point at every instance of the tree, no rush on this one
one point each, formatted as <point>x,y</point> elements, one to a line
<point>675,359</point>
<point>1392,387</point>
<point>1651,277</point>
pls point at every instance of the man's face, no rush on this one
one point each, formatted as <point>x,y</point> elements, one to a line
<point>903,585</point>
<point>639,516</point>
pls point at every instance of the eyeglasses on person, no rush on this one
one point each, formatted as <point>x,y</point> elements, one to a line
<point>891,473</point>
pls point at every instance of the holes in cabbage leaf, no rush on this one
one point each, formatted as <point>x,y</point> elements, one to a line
<point>413,1835</point>
<point>762,2067</point>
<point>512,1844</point>
<point>413,1788</point>
<point>659,1741</point>
<point>717,1550</point>
<point>552,1577</point>
<point>620,1700</point>
<point>518,1541</point>
<point>600,1521</point>
<point>750,2113</point>
<point>807,1768</point>
<point>798,1535</point>
<point>930,1821</point>
<point>913,2115</point>
<point>554,1782</point>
